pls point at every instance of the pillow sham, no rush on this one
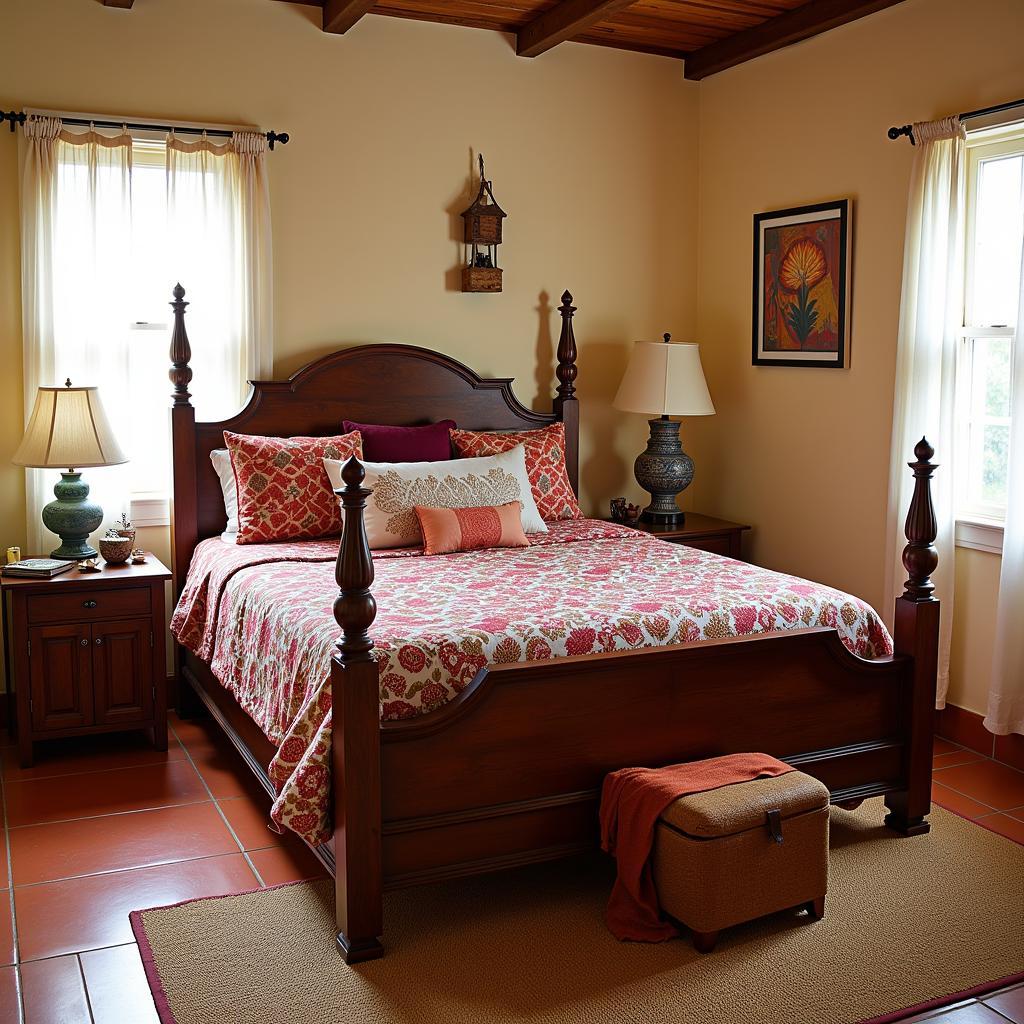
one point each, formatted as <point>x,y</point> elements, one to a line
<point>398,487</point>
<point>469,529</point>
<point>545,463</point>
<point>381,443</point>
<point>221,459</point>
<point>283,491</point>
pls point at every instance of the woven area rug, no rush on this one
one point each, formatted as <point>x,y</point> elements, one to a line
<point>909,921</point>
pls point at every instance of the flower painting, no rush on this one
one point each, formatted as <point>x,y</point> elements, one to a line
<point>800,285</point>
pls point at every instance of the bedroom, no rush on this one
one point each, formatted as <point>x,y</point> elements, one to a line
<point>625,182</point>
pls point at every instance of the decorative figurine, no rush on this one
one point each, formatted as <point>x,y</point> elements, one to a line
<point>88,565</point>
<point>623,511</point>
<point>138,557</point>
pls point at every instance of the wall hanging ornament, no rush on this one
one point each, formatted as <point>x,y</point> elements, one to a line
<point>482,236</point>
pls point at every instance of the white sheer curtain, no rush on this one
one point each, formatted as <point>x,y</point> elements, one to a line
<point>218,216</point>
<point>109,223</point>
<point>75,232</point>
<point>931,312</point>
<point>1006,694</point>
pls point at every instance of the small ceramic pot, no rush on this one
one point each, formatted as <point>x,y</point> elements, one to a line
<point>116,550</point>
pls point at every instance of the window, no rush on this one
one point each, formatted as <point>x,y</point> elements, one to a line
<point>123,233</point>
<point>995,228</point>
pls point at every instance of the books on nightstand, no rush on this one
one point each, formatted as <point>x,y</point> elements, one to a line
<point>38,568</point>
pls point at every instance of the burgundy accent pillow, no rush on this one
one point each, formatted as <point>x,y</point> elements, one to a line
<point>430,443</point>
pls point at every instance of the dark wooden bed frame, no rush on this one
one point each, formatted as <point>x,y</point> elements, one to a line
<point>508,773</point>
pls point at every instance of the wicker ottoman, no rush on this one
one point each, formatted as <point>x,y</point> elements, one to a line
<point>736,853</point>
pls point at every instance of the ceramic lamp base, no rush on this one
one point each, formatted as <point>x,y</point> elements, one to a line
<point>72,517</point>
<point>664,470</point>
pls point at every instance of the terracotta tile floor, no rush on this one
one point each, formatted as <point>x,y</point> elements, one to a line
<point>99,828</point>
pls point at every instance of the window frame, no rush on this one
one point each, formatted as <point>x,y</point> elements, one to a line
<point>979,526</point>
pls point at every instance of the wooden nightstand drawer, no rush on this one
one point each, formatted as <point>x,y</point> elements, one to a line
<point>85,605</point>
<point>720,545</point>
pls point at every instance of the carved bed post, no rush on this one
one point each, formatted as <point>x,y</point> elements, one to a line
<point>355,737</point>
<point>184,520</point>
<point>566,407</point>
<point>917,634</point>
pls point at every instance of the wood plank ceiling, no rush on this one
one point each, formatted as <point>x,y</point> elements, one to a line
<point>710,35</point>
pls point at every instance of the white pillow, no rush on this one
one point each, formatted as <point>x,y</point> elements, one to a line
<point>456,483</point>
<point>221,459</point>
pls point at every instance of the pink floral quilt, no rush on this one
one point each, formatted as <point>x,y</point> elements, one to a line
<point>261,615</point>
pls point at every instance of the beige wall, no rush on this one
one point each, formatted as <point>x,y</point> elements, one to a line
<point>803,453</point>
<point>592,152</point>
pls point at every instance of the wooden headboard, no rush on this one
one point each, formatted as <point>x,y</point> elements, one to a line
<point>400,385</point>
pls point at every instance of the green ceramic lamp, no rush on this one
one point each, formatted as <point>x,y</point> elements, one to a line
<point>69,431</point>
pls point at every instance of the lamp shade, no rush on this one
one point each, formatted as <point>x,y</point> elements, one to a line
<point>666,378</point>
<point>68,429</point>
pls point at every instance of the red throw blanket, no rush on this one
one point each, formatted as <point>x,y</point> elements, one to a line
<point>631,803</point>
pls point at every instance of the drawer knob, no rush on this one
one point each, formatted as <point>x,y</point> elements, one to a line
<point>89,604</point>
<point>85,643</point>
<point>99,641</point>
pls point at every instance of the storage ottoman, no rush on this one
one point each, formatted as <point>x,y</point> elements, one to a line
<point>739,852</point>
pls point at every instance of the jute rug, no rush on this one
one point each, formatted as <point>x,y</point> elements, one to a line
<point>908,921</point>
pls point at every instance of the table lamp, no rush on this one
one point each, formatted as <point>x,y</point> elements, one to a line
<point>666,378</point>
<point>69,430</point>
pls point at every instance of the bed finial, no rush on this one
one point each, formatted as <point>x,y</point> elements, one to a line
<point>566,370</point>
<point>181,352</point>
<point>355,609</point>
<point>920,556</point>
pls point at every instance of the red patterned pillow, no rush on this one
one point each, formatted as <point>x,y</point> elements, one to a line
<point>470,529</point>
<point>284,492</point>
<point>545,464</point>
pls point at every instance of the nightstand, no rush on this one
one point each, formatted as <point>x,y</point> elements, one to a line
<point>86,652</point>
<point>696,531</point>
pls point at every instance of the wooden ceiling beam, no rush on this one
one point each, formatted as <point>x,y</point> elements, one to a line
<point>813,18</point>
<point>568,19</point>
<point>341,15</point>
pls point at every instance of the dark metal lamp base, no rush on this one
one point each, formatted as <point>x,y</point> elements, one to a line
<point>664,469</point>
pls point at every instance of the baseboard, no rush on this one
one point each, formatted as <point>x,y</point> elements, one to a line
<point>966,728</point>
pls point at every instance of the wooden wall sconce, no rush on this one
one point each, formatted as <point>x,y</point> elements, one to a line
<point>482,235</point>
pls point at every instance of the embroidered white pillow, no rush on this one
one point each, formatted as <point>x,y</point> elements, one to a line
<point>221,460</point>
<point>398,487</point>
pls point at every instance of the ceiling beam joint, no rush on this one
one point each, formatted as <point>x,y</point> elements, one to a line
<point>570,18</point>
<point>783,30</point>
<point>341,15</point>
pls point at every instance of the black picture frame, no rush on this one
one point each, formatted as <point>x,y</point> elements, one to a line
<point>838,209</point>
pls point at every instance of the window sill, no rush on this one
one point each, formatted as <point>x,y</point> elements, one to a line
<point>980,535</point>
<point>150,510</point>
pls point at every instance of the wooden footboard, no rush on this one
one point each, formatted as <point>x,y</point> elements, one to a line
<point>509,772</point>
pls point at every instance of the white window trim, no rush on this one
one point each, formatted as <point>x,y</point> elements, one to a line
<point>150,510</point>
<point>980,534</point>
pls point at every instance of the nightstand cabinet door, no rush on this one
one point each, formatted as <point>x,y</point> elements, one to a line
<point>60,673</point>
<point>122,671</point>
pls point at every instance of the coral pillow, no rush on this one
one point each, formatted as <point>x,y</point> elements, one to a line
<point>545,464</point>
<point>469,529</point>
<point>429,443</point>
<point>284,492</point>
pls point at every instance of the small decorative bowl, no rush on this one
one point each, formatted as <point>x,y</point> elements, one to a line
<point>116,550</point>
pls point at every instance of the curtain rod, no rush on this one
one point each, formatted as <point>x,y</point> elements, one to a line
<point>19,117</point>
<point>908,129</point>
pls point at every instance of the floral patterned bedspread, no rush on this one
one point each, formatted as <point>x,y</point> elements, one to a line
<point>261,615</point>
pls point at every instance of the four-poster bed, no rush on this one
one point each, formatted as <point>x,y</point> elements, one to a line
<point>508,772</point>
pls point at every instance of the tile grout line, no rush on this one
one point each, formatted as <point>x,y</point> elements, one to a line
<point>110,814</point>
<point>133,867</point>
<point>85,987</point>
<point>19,992</point>
<point>223,816</point>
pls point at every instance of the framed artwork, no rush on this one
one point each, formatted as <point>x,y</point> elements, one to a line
<point>801,279</point>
